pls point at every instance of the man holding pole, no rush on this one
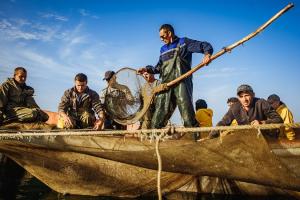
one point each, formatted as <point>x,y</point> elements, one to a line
<point>175,59</point>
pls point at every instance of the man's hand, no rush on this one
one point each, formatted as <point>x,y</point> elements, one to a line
<point>98,124</point>
<point>68,122</point>
<point>141,70</point>
<point>255,123</point>
<point>206,59</point>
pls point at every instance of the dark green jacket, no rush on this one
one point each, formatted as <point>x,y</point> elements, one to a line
<point>72,103</point>
<point>14,95</point>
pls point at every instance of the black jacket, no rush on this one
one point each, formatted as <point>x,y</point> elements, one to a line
<point>260,110</point>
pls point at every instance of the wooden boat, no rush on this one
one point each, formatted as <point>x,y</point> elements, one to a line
<point>120,165</point>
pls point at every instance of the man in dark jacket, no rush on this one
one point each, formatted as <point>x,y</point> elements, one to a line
<point>249,110</point>
<point>78,106</point>
<point>175,59</point>
<point>17,102</point>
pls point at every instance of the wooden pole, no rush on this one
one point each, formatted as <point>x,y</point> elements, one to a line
<point>230,47</point>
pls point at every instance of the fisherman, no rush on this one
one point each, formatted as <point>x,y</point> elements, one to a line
<point>17,102</point>
<point>284,113</point>
<point>78,106</point>
<point>115,96</point>
<point>248,111</point>
<point>175,59</point>
<point>230,102</point>
<point>151,83</point>
<point>203,114</point>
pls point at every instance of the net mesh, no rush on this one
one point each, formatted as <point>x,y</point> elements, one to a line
<point>127,96</point>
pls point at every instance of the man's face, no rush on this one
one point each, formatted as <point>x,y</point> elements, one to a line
<point>80,86</point>
<point>246,98</point>
<point>148,77</point>
<point>20,77</point>
<point>165,36</point>
<point>112,80</point>
<point>229,104</point>
<point>274,104</point>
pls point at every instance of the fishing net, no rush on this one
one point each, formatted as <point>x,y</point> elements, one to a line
<point>127,96</point>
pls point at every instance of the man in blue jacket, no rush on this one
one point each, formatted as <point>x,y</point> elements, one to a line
<point>175,59</point>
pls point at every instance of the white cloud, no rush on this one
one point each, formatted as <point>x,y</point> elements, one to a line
<point>86,13</point>
<point>21,22</point>
<point>54,16</point>
<point>15,29</point>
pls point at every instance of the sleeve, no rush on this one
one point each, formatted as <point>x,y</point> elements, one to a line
<point>288,118</point>
<point>272,116</point>
<point>30,102</point>
<point>3,97</point>
<point>102,96</point>
<point>96,104</point>
<point>195,46</point>
<point>227,119</point>
<point>65,102</point>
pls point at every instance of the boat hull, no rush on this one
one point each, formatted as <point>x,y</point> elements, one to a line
<point>126,166</point>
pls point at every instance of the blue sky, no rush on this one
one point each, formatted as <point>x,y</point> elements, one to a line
<point>57,39</point>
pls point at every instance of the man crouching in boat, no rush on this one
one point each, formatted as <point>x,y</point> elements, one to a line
<point>17,102</point>
<point>77,106</point>
<point>248,111</point>
<point>285,114</point>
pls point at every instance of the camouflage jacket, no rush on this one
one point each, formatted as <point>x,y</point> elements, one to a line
<point>14,95</point>
<point>72,103</point>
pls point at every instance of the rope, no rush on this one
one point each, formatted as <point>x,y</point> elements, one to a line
<point>159,162</point>
<point>259,132</point>
<point>146,132</point>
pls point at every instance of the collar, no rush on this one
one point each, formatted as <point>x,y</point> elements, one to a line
<point>84,92</point>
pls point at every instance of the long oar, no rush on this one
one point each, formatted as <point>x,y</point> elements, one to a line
<point>166,86</point>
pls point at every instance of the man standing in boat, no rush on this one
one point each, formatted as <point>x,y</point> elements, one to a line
<point>175,59</point>
<point>250,110</point>
<point>17,102</point>
<point>78,106</point>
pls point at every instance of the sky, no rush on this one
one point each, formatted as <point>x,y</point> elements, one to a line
<point>56,39</point>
